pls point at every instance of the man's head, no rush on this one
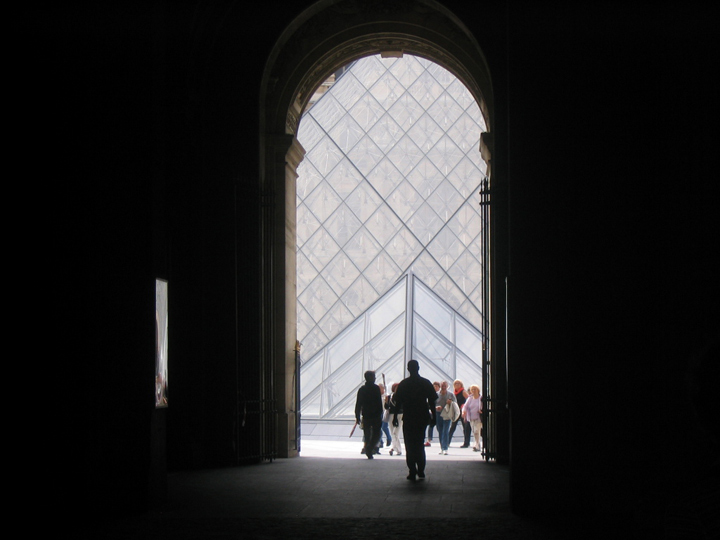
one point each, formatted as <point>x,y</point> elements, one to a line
<point>370,376</point>
<point>443,386</point>
<point>413,366</point>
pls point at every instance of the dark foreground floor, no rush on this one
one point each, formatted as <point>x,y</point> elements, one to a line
<point>316,497</point>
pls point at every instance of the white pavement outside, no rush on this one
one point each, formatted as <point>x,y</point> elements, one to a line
<point>351,449</point>
<point>332,440</point>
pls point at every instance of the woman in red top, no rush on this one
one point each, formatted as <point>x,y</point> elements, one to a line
<point>461,395</point>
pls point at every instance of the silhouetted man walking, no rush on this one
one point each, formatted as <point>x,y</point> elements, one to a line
<point>416,396</point>
<point>369,405</point>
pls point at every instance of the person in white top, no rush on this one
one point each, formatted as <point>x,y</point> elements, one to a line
<point>472,413</point>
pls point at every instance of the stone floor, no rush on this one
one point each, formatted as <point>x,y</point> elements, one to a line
<point>332,491</point>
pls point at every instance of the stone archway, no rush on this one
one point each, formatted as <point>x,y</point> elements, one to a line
<point>322,39</point>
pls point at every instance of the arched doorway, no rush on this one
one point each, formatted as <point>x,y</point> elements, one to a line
<point>301,60</point>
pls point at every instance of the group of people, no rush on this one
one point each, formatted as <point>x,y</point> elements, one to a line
<point>460,406</point>
<point>416,406</point>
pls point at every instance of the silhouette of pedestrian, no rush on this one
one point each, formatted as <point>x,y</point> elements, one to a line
<point>416,397</point>
<point>369,405</point>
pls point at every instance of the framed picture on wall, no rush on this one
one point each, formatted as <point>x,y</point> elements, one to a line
<point>161,343</point>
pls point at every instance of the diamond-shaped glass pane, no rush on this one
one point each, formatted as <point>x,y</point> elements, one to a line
<point>348,90</point>
<point>425,177</point>
<point>442,75</point>
<point>404,248</point>
<point>425,223</point>
<point>337,318</point>
<point>368,70</point>
<point>466,177</point>
<point>339,384</point>
<point>312,374</point>
<point>476,114</point>
<point>344,178</point>
<point>466,272</point>
<point>324,156</point>
<point>346,345</point>
<point>386,345</point>
<point>445,155</point>
<point>363,201</point>
<point>446,248</point>
<point>385,133</point>
<point>306,272</point>
<point>428,268</point>
<point>323,201</point>
<point>387,90</point>
<point>406,111</point>
<point>465,132</point>
<point>468,369</point>
<point>308,179</point>
<point>461,94</point>
<point>425,132</point>
<point>365,155</point>
<point>446,289</point>
<point>433,310</point>
<point>407,71</point>
<point>389,308</point>
<point>471,313</point>
<point>465,224</point>
<point>359,296</point>
<point>405,155</point>
<point>306,224</point>
<point>445,200</point>
<point>362,248</point>
<point>445,111</point>
<point>311,404</point>
<point>385,177</point>
<point>346,133</point>
<point>467,338</point>
<point>310,133</point>
<point>313,341</point>
<point>405,200</point>
<point>382,272</point>
<point>433,346</point>
<point>326,116</point>
<point>383,224</point>
<point>367,111</point>
<point>340,273</point>
<point>342,225</point>
<point>320,249</point>
<point>426,90</point>
<point>318,298</point>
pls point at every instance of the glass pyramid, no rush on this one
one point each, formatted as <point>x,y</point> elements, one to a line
<point>389,187</point>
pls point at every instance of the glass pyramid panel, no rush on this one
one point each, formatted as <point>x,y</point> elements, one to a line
<point>359,296</point>
<point>339,384</point>
<point>433,346</point>
<point>331,111</point>
<point>344,178</point>
<point>387,310</point>
<point>467,338</point>
<point>340,273</point>
<point>389,343</point>
<point>468,371</point>
<point>430,371</point>
<point>389,185</point>
<point>312,374</point>
<point>345,346</point>
<point>342,224</point>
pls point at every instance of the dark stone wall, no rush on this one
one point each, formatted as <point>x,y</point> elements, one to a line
<point>605,153</point>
